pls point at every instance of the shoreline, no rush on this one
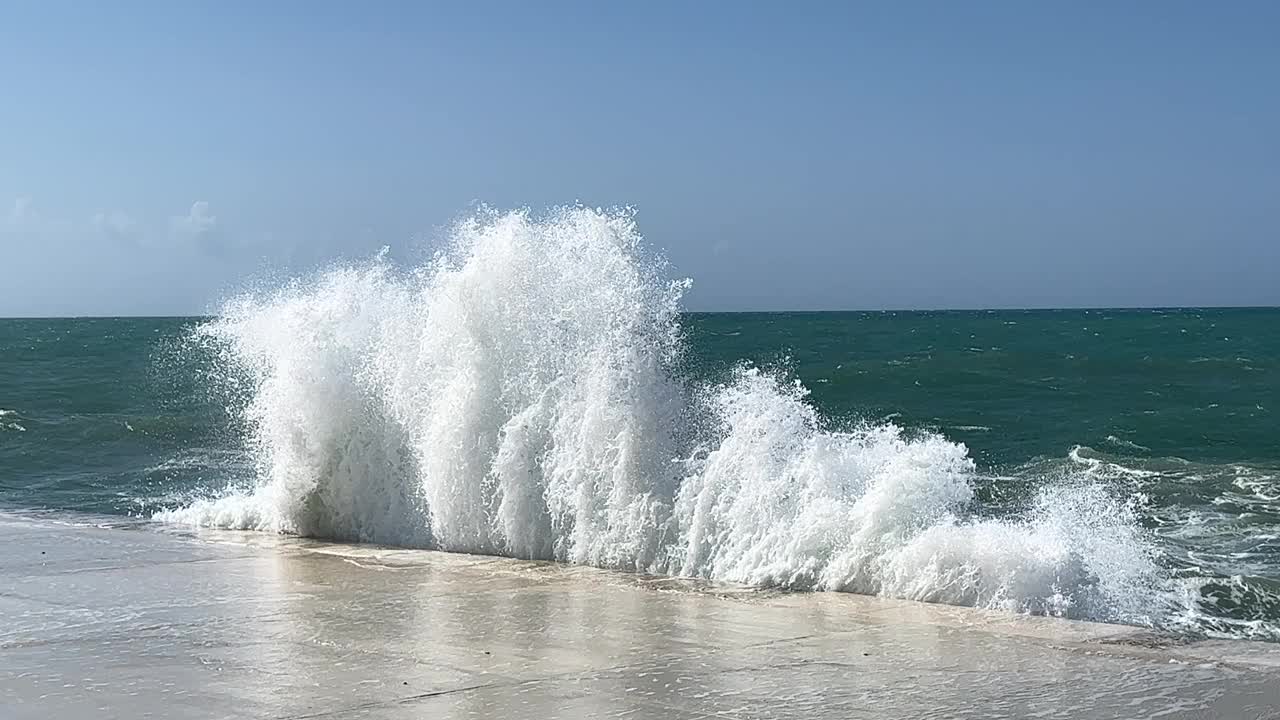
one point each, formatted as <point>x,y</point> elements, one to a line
<point>218,624</point>
<point>397,556</point>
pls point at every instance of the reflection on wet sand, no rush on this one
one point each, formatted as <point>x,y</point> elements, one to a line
<point>134,623</point>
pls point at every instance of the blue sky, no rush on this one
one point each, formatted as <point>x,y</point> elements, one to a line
<point>819,155</point>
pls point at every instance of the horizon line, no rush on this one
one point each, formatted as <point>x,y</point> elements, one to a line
<point>820,311</point>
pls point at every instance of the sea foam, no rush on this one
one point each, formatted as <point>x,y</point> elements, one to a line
<point>522,395</point>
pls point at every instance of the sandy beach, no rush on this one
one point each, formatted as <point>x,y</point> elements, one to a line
<point>103,622</point>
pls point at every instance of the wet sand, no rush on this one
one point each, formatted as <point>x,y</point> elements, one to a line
<point>133,623</point>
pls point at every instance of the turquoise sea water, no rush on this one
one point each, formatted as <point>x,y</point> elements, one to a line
<point>1174,409</point>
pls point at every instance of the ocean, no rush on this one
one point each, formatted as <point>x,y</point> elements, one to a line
<point>538,391</point>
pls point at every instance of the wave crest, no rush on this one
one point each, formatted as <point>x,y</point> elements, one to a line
<point>521,395</point>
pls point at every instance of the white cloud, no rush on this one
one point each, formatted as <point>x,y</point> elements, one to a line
<point>198,230</point>
<point>22,210</point>
<point>115,224</point>
<point>198,222</point>
<point>24,219</point>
